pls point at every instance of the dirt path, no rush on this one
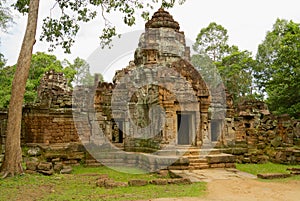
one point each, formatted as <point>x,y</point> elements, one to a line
<point>253,190</point>
<point>247,189</point>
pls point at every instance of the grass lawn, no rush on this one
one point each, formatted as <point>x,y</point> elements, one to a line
<point>81,186</point>
<point>268,168</point>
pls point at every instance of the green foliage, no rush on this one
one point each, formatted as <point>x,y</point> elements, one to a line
<point>236,72</point>
<point>61,30</point>
<point>207,70</point>
<point>80,72</point>
<point>278,69</point>
<point>218,62</point>
<point>40,63</point>
<point>5,16</point>
<point>77,73</point>
<point>6,75</point>
<point>212,40</point>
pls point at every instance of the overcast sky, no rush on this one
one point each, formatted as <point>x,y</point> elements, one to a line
<point>246,21</point>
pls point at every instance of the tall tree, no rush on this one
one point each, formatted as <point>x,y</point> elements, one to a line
<point>59,31</point>
<point>213,41</point>
<point>13,153</point>
<point>81,72</point>
<point>278,70</point>
<point>236,71</point>
<point>218,62</point>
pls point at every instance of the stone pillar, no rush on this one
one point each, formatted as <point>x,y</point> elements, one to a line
<point>206,142</point>
<point>169,131</point>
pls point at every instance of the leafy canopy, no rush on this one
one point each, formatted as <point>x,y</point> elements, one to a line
<point>222,64</point>
<point>61,30</point>
<point>212,40</point>
<point>5,16</point>
<point>278,69</point>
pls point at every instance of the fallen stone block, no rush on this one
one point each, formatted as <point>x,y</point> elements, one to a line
<point>58,167</point>
<point>179,181</point>
<point>113,184</point>
<point>44,166</point>
<point>30,172</point>
<point>293,169</point>
<point>109,183</point>
<point>137,182</point>
<point>295,172</point>
<point>273,175</point>
<point>34,151</point>
<point>159,182</point>
<point>31,165</point>
<point>47,173</point>
<point>66,171</point>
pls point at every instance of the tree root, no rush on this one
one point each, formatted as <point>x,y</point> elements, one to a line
<point>5,175</point>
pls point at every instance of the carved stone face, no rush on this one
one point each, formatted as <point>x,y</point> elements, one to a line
<point>151,56</point>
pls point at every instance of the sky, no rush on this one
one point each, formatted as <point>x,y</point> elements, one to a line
<point>246,21</point>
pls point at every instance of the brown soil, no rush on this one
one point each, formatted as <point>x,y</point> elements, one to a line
<point>248,190</point>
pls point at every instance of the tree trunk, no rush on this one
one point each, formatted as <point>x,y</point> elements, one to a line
<point>12,163</point>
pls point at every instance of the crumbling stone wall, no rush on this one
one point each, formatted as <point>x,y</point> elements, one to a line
<point>49,126</point>
<point>51,120</point>
<point>262,137</point>
<point>54,91</point>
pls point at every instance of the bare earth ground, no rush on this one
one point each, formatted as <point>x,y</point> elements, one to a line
<point>243,188</point>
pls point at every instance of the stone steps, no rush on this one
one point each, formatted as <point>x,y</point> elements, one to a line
<point>206,158</point>
<point>183,158</point>
<point>92,163</point>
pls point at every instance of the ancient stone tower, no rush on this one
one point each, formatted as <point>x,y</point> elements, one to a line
<point>159,99</point>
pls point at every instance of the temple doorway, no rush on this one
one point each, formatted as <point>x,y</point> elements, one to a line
<point>184,128</point>
<point>117,136</point>
<point>215,131</point>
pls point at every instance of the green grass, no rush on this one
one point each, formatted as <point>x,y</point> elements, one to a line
<point>268,168</point>
<point>81,186</point>
<point>265,168</point>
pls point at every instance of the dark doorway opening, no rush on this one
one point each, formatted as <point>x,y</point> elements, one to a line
<point>117,136</point>
<point>184,129</point>
<point>215,129</point>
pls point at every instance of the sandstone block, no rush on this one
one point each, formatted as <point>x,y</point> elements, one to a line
<point>44,166</point>
<point>30,172</point>
<point>46,172</point>
<point>273,176</point>
<point>179,181</point>
<point>137,182</point>
<point>66,171</point>
<point>159,182</point>
<point>58,167</point>
<point>31,165</point>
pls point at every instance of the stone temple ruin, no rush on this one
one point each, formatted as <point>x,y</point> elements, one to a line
<point>158,110</point>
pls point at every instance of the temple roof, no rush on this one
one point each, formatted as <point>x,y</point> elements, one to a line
<point>162,18</point>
